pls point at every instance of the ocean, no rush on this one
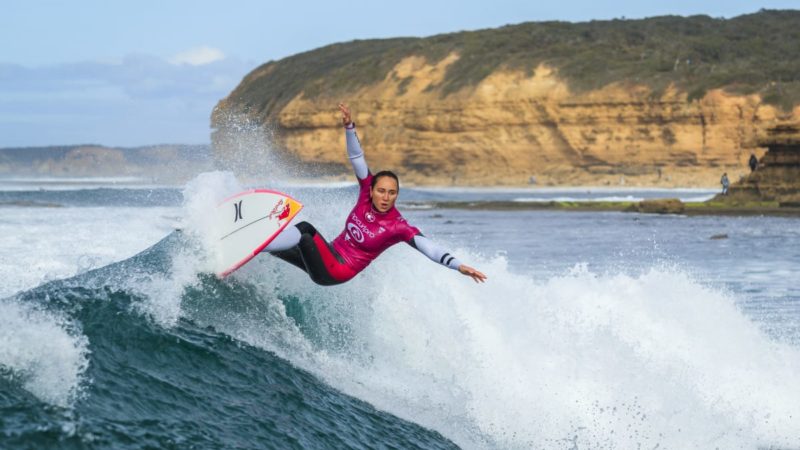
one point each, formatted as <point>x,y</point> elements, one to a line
<point>595,330</point>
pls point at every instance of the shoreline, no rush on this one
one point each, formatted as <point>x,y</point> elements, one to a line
<point>690,208</point>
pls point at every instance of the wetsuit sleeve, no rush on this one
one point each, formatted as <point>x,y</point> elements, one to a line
<point>355,153</point>
<point>434,252</point>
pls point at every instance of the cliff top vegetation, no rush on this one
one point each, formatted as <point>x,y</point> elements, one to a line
<point>754,53</point>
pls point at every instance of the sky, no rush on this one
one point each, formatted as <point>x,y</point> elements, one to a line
<point>150,72</point>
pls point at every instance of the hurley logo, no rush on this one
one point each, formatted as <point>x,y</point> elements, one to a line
<point>237,211</point>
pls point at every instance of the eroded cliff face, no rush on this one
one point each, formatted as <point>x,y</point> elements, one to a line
<point>513,126</point>
<point>777,176</point>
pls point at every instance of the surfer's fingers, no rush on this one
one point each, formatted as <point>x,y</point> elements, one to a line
<point>476,275</point>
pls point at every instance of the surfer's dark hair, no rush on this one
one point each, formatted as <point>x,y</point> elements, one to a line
<point>384,173</point>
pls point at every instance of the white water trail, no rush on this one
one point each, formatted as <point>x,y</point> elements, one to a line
<point>581,360</point>
<point>609,361</point>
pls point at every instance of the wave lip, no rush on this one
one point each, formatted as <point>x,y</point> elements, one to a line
<point>38,350</point>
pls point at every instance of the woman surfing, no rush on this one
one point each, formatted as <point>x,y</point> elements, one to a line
<point>372,226</point>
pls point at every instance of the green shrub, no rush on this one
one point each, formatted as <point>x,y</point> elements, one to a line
<point>752,53</point>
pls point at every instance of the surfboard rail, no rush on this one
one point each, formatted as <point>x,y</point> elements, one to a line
<point>255,232</point>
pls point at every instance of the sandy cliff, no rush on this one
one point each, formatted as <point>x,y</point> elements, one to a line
<point>511,125</point>
<point>777,175</point>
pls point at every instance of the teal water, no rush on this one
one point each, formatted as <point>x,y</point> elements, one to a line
<point>185,386</point>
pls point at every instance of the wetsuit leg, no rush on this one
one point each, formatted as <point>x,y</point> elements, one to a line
<point>315,256</point>
<point>292,256</point>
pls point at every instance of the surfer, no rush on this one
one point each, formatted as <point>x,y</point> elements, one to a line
<point>372,226</point>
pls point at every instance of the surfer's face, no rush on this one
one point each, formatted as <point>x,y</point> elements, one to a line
<point>384,194</point>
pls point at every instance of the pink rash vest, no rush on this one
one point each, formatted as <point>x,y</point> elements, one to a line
<point>367,232</point>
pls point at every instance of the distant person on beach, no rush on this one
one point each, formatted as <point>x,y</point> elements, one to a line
<point>725,183</point>
<point>753,162</point>
<point>372,226</point>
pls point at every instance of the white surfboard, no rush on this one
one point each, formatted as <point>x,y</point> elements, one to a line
<point>248,222</point>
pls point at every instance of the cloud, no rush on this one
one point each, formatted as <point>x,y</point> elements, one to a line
<point>142,99</point>
<point>198,56</point>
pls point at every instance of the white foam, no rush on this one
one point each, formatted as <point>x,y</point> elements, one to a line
<point>585,360</point>
<point>40,349</point>
<point>163,291</point>
<point>39,352</point>
<point>203,194</point>
<point>42,244</point>
<point>580,360</point>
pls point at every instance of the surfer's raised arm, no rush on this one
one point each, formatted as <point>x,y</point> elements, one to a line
<point>354,151</point>
<point>382,197</point>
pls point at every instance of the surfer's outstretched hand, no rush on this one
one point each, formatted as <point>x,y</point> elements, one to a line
<point>346,120</point>
<point>470,272</point>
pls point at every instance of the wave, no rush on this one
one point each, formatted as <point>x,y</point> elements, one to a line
<point>157,379</point>
<point>42,352</point>
<point>612,360</point>
<point>583,359</point>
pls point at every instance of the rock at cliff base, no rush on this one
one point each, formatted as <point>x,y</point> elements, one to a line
<point>661,206</point>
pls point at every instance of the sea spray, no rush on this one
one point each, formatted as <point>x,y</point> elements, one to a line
<point>200,199</point>
<point>610,361</point>
<point>55,243</point>
<point>582,359</point>
<point>163,291</point>
<point>247,148</point>
<point>43,352</point>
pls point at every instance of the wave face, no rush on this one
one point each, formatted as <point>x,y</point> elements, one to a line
<point>154,351</point>
<point>99,367</point>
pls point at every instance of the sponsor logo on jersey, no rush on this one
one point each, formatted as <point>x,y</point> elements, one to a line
<point>358,229</point>
<point>355,232</point>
